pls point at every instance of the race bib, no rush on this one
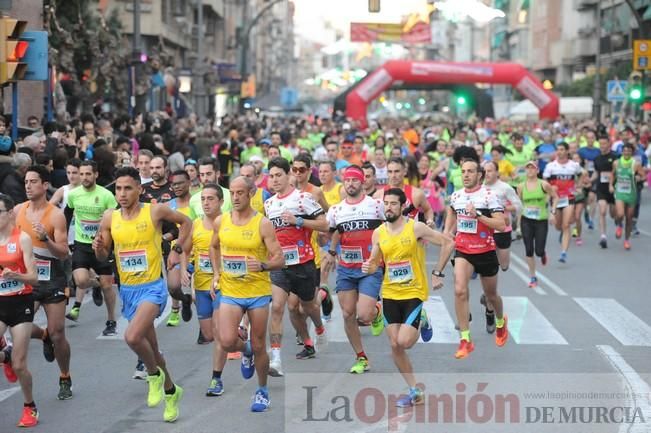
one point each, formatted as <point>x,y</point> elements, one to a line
<point>291,256</point>
<point>234,265</point>
<point>563,202</point>
<point>624,186</point>
<point>604,177</point>
<point>10,286</point>
<point>89,228</point>
<point>400,272</point>
<point>43,270</point>
<point>466,224</point>
<point>204,264</point>
<point>352,255</point>
<point>589,165</point>
<point>133,261</point>
<point>531,213</point>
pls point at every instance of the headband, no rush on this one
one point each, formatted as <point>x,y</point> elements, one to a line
<point>354,173</point>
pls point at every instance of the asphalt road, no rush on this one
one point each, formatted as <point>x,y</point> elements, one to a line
<point>577,360</point>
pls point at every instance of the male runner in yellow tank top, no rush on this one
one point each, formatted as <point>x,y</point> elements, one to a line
<point>244,247</point>
<point>397,244</point>
<point>135,232</point>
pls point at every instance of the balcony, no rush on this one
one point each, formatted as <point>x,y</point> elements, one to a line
<point>581,5</point>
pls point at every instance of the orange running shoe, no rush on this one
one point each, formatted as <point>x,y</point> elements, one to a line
<point>618,232</point>
<point>6,366</point>
<point>234,355</point>
<point>465,347</point>
<point>502,334</point>
<point>627,245</point>
<point>29,418</point>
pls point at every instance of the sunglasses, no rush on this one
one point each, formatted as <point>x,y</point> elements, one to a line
<point>301,170</point>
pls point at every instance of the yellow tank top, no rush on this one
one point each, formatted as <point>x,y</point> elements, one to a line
<point>257,201</point>
<point>137,245</point>
<point>404,258</point>
<point>332,197</point>
<point>236,244</point>
<point>314,241</point>
<point>203,272</point>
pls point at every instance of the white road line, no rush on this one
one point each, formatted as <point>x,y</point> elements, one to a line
<point>548,283</point>
<point>644,232</point>
<point>527,325</point>
<point>6,393</point>
<point>625,326</point>
<point>122,323</point>
<point>442,322</point>
<point>539,290</point>
<point>637,390</point>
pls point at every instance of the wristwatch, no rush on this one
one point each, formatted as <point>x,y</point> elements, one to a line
<point>478,213</point>
<point>438,274</point>
<point>299,222</point>
<point>332,253</point>
<point>177,248</point>
<point>263,267</point>
<point>45,238</point>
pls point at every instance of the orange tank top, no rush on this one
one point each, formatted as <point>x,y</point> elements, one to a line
<point>24,224</point>
<point>11,257</point>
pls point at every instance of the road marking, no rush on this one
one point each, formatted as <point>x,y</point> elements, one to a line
<point>527,325</point>
<point>644,232</point>
<point>526,279</point>
<point>122,322</point>
<point>548,283</point>
<point>441,321</point>
<point>625,326</point>
<point>636,389</point>
<point>6,393</point>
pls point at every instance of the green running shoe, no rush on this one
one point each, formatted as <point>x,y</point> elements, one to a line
<point>172,404</point>
<point>360,366</point>
<point>174,319</point>
<point>156,388</point>
<point>73,314</point>
<point>377,325</point>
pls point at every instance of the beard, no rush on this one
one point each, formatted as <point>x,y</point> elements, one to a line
<point>392,217</point>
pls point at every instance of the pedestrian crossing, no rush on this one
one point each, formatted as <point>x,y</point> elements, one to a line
<point>528,325</point>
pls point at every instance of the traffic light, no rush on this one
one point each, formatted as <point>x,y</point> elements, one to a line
<point>635,88</point>
<point>12,50</point>
<point>461,100</point>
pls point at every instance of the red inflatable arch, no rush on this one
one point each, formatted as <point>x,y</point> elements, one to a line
<point>401,71</point>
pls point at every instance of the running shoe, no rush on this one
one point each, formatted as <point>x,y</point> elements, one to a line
<point>502,334</point>
<point>603,243</point>
<point>563,258</point>
<point>48,347</point>
<point>457,327</point>
<point>156,388</point>
<point>275,366</point>
<point>627,245</point>
<point>73,314</point>
<point>360,366</point>
<point>473,276</point>
<point>307,353</point>
<point>618,232</point>
<point>426,331</point>
<point>65,388</point>
<point>216,388</point>
<point>186,307</point>
<point>464,349</point>
<point>172,404</point>
<point>299,340</point>
<point>490,315</point>
<point>591,225</point>
<point>247,367</point>
<point>140,372</point>
<point>260,401</point>
<point>322,340</point>
<point>111,329</point>
<point>578,242</point>
<point>326,304</point>
<point>377,325</point>
<point>10,374</point>
<point>29,417</point>
<point>201,339</point>
<point>533,283</point>
<point>575,232</point>
<point>234,355</point>
<point>414,398</point>
<point>98,299</point>
<point>174,319</point>
<point>543,260</point>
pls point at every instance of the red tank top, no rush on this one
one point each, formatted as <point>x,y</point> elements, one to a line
<point>11,257</point>
<point>410,210</point>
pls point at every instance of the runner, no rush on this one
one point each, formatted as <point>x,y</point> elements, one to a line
<point>474,214</point>
<point>603,171</point>
<point>352,222</point>
<point>627,173</point>
<point>294,216</point>
<point>17,276</point>
<point>416,200</point>
<point>209,173</point>
<point>243,248</point>
<point>332,190</point>
<point>589,153</point>
<point>86,204</point>
<point>261,195</point>
<point>46,226</point>
<point>380,165</point>
<point>399,244</point>
<point>583,186</point>
<point>370,180</point>
<point>134,232</point>
<point>535,194</point>
<point>561,174</point>
<point>207,307</point>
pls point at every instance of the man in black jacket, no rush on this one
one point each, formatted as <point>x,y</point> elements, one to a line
<point>12,173</point>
